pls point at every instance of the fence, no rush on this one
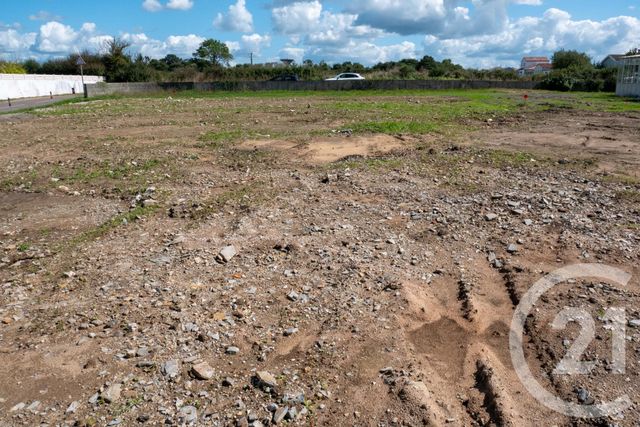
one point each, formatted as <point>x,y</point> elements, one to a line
<point>141,88</point>
<point>16,86</point>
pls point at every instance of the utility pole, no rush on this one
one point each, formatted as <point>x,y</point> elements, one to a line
<point>251,56</point>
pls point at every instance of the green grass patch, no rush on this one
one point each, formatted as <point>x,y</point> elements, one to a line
<point>114,222</point>
<point>395,127</point>
<point>629,195</point>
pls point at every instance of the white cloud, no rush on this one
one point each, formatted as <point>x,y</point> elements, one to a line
<point>183,46</point>
<point>254,43</point>
<point>298,17</point>
<point>55,37</point>
<point>365,52</point>
<point>156,6</point>
<point>180,4</point>
<point>12,42</point>
<point>540,36</point>
<point>152,5</point>
<point>237,19</point>
<point>43,15</point>
<point>529,2</point>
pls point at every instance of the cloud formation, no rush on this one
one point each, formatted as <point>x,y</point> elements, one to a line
<point>156,6</point>
<point>238,18</point>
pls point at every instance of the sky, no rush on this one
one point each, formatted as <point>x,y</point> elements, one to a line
<point>474,33</point>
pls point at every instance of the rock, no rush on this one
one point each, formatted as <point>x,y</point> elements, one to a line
<point>203,371</point>
<point>143,418</point>
<point>279,414</point>
<point>512,248</point>
<point>265,379</point>
<point>290,331</point>
<point>33,407</point>
<point>272,407</point>
<point>114,422</point>
<point>149,202</point>
<point>584,396</point>
<point>242,422</point>
<point>634,323</point>
<point>228,382</point>
<point>491,217</point>
<point>528,222</point>
<point>293,296</point>
<point>18,407</point>
<point>112,393</point>
<point>142,352</point>
<point>188,414</point>
<point>232,350</point>
<point>171,369</point>
<point>73,407</point>
<point>292,414</point>
<point>227,253</point>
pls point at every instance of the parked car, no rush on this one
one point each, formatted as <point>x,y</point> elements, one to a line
<point>347,76</point>
<point>285,78</point>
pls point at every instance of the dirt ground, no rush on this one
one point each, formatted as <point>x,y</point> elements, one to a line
<point>372,281</point>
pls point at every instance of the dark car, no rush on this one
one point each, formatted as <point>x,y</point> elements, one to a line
<point>285,78</point>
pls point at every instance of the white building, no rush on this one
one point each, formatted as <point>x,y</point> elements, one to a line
<point>531,65</point>
<point>16,86</point>
<point>628,83</point>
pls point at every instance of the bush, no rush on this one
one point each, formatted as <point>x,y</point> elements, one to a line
<point>12,68</point>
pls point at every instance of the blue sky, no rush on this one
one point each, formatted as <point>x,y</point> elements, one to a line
<point>475,33</point>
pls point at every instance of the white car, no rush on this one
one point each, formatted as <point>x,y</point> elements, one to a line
<point>347,76</point>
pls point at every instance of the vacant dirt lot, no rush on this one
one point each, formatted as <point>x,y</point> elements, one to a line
<point>338,259</point>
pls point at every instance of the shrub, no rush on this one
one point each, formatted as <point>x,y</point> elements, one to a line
<point>12,68</point>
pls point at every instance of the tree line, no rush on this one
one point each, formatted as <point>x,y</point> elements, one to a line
<point>571,70</point>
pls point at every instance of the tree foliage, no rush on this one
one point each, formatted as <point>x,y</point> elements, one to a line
<point>214,52</point>
<point>570,58</point>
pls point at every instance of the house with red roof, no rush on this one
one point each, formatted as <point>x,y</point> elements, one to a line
<point>533,65</point>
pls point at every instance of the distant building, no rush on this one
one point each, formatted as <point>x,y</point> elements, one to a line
<point>628,83</point>
<point>612,61</point>
<point>532,65</point>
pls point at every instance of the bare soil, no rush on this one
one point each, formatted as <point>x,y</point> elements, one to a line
<point>369,279</point>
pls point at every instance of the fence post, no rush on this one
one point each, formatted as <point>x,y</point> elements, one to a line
<point>9,101</point>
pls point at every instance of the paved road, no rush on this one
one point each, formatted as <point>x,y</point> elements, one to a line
<point>20,104</point>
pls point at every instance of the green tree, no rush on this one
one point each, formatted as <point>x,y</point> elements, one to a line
<point>570,58</point>
<point>31,65</point>
<point>214,52</point>
<point>116,60</point>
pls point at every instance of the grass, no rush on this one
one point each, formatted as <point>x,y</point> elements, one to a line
<point>114,222</point>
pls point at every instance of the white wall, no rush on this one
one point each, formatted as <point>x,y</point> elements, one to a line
<point>31,85</point>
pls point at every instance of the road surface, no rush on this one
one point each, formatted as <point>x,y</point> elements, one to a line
<point>21,104</point>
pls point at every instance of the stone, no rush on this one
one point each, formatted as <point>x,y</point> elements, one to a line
<point>491,217</point>
<point>528,222</point>
<point>634,323</point>
<point>512,248</point>
<point>188,414</point>
<point>171,369</point>
<point>18,407</point>
<point>112,393</point>
<point>227,253</point>
<point>149,202</point>
<point>33,407</point>
<point>73,407</point>
<point>265,379</point>
<point>279,414</point>
<point>290,331</point>
<point>203,371</point>
<point>228,382</point>
<point>293,296</point>
<point>232,350</point>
